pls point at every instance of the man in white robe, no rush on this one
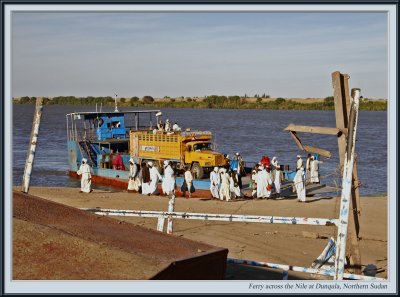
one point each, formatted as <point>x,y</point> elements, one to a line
<point>86,180</point>
<point>145,179</point>
<point>134,182</point>
<point>167,125</point>
<point>308,168</point>
<point>263,180</point>
<point>224,190</point>
<point>277,182</point>
<point>269,182</point>
<point>234,187</point>
<point>299,182</point>
<point>274,164</point>
<point>154,178</point>
<point>187,183</point>
<point>176,128</point>
<point>214,183</point>
<point>168,184</point>
<point>299,163</point>
<point>314,170</point>
<point>254,182</point>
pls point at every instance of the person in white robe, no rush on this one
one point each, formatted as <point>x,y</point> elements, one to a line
<point>263,180</point>
<point>299,163</point>
<point>167,125</point>
<point>308,169</point>
<point>176,128</point>
<point>234,187</point>
<point>86,180</point>
<point>277,181</point>
<point>214,183</point>
<point>314,170</point>
<point>254,182</point>
<point>224,190</point>
<point>145,178</point>
<point>187,183</point>
<point>274,164</point>
<point>269,182</point>
<point>299,182</point>
<point>155,176</point>
<point>168,183</point>
<point>134,182</point>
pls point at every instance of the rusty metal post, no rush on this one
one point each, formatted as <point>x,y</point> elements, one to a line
<point>347,187</point>
<point>32,147</point>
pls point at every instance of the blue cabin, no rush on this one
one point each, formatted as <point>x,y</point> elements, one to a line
<point>110,126</point>
<point>96,136</point>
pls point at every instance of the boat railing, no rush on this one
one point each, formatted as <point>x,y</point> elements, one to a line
<point>90,134</point>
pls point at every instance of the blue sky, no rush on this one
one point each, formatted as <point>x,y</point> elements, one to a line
<point>288,54</point>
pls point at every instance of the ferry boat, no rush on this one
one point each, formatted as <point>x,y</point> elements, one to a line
<point>100,135</point>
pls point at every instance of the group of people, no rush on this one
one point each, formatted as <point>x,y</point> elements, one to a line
<point>308,176</point>
<point>265,177</point>
<point>226,183</point>
<point>112,160</point>
<point>146,178</point>
<point>312,168</point>
<point>167,126</point>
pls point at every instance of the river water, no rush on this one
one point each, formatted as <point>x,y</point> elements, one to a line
<point>253,133</point>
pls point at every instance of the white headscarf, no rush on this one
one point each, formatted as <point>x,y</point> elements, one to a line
<point>84,160</point>
<point>166,162</point>
<point>150,163</point>
<point>215,169</point>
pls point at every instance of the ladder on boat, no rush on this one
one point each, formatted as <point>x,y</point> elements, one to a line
<point>90,152</point>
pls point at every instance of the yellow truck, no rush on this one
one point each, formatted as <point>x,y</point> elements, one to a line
<point>186,148</point>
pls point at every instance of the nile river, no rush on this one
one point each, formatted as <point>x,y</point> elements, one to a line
<point>253,133</point>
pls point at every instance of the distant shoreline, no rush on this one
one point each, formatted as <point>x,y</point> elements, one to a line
<point>214,102</point>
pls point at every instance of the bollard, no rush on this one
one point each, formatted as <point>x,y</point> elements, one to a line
<point>170,210</point>
<point>160,223</point>
<point>32,147</point>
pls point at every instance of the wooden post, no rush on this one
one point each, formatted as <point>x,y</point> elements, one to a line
<point>32,147</point>
<point>342,110</point>
<point>347,182</point>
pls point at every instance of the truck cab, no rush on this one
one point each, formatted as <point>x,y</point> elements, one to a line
<point>202,157</point>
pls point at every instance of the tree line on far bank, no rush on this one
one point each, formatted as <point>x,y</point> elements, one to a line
<point>213,101</point>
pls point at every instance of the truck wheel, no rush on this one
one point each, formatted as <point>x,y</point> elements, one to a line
<point>197,171</point>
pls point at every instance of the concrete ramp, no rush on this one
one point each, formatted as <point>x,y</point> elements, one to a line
<point>52,241</point>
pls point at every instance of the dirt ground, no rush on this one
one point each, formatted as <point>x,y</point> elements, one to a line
<point>296,245</point>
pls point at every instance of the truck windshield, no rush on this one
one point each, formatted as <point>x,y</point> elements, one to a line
<point>202,147</point>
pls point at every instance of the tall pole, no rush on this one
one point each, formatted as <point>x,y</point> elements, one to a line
<point>116,107</point>
<point>32,147</point>
<point>346,186</point>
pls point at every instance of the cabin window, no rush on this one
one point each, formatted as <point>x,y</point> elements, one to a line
<point>116,124</point>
